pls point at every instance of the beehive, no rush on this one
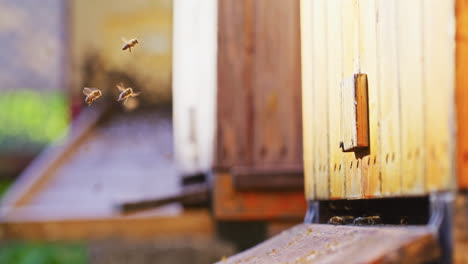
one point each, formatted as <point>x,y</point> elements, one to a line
<point>406,49</point>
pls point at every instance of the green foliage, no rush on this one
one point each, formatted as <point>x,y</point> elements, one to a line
<point>31,119</point>
<point>43,253</point>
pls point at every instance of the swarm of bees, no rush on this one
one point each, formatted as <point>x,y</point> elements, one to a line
<point>125,93</point>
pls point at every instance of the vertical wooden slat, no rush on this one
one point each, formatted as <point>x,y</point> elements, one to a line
<point>233,146</point>
<point>462,92</point>
<point>439,86</point>
<point>369,62</point>
<point>276,82</point>
<point>335,75</point>
<point>350,66</point>
<point>410,66</point>
<point>320,87</point>
<point>307,97</point>
<point>389,99</point>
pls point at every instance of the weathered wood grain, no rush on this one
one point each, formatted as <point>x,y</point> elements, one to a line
<point>354,113</point>
<point>350,66</point>
<point>320,88</point>
<point>389,102</point>
<point>335,76</point>
<point>368,65</point>
<point>460,229</point>
<point>439,99</point>
<point>308,110</point>
<point>410,72</point>
<point>276,83</point>
<point>331,244</point>
<point>462,92</point>
<point>234,95</point>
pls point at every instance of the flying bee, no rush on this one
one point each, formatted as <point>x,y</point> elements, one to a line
<point>91,95</point>
<point>125,93</point>
<point>129,44</point>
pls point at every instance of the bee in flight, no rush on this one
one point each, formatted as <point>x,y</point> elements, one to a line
<point>125,93</point>
<point>91,95</point>
<point>129,44</point>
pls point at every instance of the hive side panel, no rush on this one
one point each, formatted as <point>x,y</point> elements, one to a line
<point>389,98</point>
<point>462,92</point>
<point>439,91</point>
<point>233,135</point>
<point>276,82</point>
<point>350,39</point>
<point>307,97</point>
<point>320,88</point>
<point>368,65</point>
<point>335,75</point>
<point>410,72</point>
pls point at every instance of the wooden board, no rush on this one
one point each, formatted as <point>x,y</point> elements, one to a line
<point>368,65</point>
<point>253,205</point>
<point>460,228</point>
<point>196,223</point>
<point>307,98</point>
<point>389,119</point>
<point>350,38</point>
<point>462,92</point>
<point>234,94</point>
<point>259,122</point>
<point>410,74</point>
<point>276,84</point>
<point>335,76</point>
<point>307,243</point>
<point>320,97</point>
<point>439,99</point>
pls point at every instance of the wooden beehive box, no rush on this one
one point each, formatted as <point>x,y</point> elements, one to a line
<point>406,50</point>
<point>259,126</point>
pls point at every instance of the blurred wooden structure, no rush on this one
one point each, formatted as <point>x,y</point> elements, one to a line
<point>259,130</point>
<point>407,52</point>
<point>71,190</point>
<point>194,84</point>
<point>461,100</point>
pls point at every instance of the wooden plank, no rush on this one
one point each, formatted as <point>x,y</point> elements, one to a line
<point>234,94</point>
<point>462,92</point>
<point>368,65</point>
<point>233,205</point>
<point>354,113</point>
<point>276,82</point>
<point>197,223</point>
<point>335,75</point>
<point>350,67</point>
<point>320,87</point>
<point>194,66</point>
<point>307,243</point>
<point>261,179</point>
<point>439,93</point>
<point>389,99</point>
<point>460,230</point>
<point>410,73</point>
<point>307,97</point>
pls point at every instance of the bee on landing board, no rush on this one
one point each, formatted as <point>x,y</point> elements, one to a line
<point>91,95</point>
<point>129,44</point>
<point>125,93</point>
